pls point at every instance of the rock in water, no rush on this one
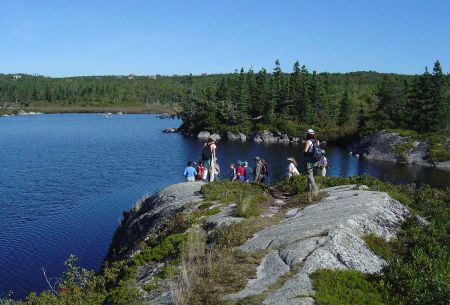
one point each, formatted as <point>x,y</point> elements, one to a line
<point>324,235</point>
<point>231,136</point>
<point>215,137</point>
<point>242,137</point>
<point>203,135</point>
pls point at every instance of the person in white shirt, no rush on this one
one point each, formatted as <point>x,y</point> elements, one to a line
<point>323,164</point>
<point>292,168</point>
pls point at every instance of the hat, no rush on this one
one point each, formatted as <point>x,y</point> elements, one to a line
<point>239,162</point>
<point>257,158</point>
<point>310,131</point>
<point>245,163</point>
<point>290,159</point>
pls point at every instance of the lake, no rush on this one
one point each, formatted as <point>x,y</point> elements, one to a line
<point>66,178</point>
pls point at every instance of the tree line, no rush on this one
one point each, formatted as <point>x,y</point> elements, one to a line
<point>339,103</point>
<point>343,104</point>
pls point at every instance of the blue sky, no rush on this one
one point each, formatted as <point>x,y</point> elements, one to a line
<point>63,38</point>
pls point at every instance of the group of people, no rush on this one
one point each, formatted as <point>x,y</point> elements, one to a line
<point>243,173</point>
<point>207,169</point>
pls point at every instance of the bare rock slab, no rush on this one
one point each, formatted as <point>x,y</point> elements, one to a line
<point>328,235</point>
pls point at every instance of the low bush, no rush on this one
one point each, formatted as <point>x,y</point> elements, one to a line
<point>379,246</point>
<point>342,287</point>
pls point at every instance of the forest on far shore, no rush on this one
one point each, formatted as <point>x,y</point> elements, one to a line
<point>338,104</point>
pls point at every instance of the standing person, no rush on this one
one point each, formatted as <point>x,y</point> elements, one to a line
<point>323,164</point>
<point>292,168</point>
<point>259,175</point>
<point>232,172</point>
<point>240,172</point>
<point>216,170</point>
<point>265,170</point>
<point>310,153</point>
<point>247,172</point>
<point>190,172</point>
<point>208,157</point>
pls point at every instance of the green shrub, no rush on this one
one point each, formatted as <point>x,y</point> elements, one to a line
<point>340,287</point>
<point>379,246</point>
<point>169,248</point>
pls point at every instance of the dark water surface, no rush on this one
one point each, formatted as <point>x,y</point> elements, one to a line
<point>66,178</point>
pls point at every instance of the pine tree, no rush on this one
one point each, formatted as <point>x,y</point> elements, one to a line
<point>439,100</point>
<point>345,111</point>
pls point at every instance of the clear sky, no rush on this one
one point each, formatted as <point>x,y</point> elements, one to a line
<point>90,37</point>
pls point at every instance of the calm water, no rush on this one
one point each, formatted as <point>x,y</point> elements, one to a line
<point>65,180</point>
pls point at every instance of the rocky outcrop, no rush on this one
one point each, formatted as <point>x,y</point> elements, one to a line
<point>324,235</point>
<point>327,234</point>
<point>150,216</point>
<point>170,130</point>
<point>266,136</point>
<point>391,146</point>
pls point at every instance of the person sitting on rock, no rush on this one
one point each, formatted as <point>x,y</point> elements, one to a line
<point>190,172</point>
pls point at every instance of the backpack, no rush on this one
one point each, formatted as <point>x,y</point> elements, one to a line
<point>206,153</point>
<point>316,151</point>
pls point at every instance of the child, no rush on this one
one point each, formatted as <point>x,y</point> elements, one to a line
<point>190,172</point>
<point>200,170</point>
<point>240,172</point>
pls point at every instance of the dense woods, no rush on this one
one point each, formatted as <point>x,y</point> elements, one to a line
<point>335,103</point>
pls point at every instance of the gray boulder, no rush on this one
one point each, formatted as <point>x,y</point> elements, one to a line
<point>284,139</point>
<point>231,136</point>
<point>257,139</point>
<point>170,130</point>
<point>203,135</point>
<point>242,137</point>
<point>324,235</point>
<point>215,137</point>
<point>267,137</point>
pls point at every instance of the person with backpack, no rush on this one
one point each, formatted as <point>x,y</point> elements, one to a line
<point>247,172</point>
<point>208,157</point>
<point>313,154</point>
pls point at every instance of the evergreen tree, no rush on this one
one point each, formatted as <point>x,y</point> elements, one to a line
<point>345,111</point>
